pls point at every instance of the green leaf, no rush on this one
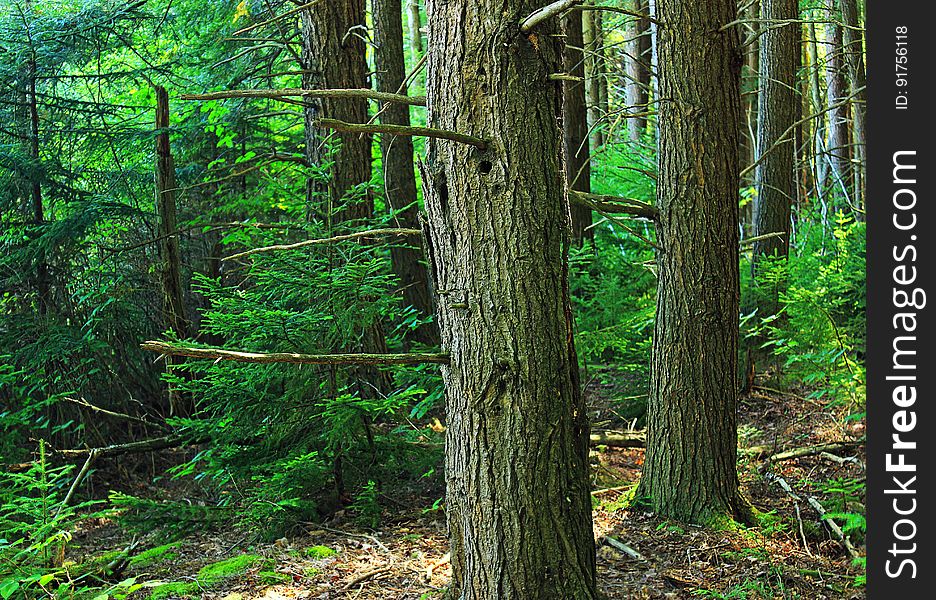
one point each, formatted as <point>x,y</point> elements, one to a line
<point>8,587</point>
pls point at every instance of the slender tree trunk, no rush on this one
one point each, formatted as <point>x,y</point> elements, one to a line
<point>333,57</point>
<point>637,69</point>
<point>749,100</point>
<point>775,173</point>
<point>819,123</point>
<point>517,499</point>
<point>43,283</point>
<point>575,125</point>
<point>398,170</point>
<point>594,75</point>
<point>690,469</point>
<point>836,93</point>
<point>854,57</point>
<point>413,25</point>
<point>170,255</point>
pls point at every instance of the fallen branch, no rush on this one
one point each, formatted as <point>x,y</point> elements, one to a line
<point>220,354</point>
<point>337,238</point>
<point>813,450</point>
<point>169,441</point>
<point>545,13</point>
<point>363,577</point>
<point>614,204</point>
<point>298,92</point>
<point>624,548</point>
<point>402,130</point>
<point>635,439</point>
<point>829,522</point>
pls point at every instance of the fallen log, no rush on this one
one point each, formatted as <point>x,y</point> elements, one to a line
<point>220,354</point>
<point>631,439</point>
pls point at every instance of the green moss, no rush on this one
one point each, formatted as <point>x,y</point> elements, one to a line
<point>273,578</point>
<point>208,577</point>
<point>155,555</point>
<point>211,575</point>
<point>319,552</point>
<point>175,589</point>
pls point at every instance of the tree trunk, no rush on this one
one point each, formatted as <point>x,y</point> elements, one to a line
<point>819,123</point>
<point>333,57</point>
<point>413,25</point>
<point>517,489</point>
<point>170,255</point>
<point>594,74</point>
<point>854,58</point>
<point>690,469</point>
<point>775,173</point>
<point>575,126</point>
<point>638,69</point>
<point>43,284</point>
<point>398,170</point>
<point>836,93</point>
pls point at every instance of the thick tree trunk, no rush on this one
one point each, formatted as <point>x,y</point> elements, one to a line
<point>854,57</point>
<point>690,469</point>
<point>575,126</point>
<point>775,173</point>
<point>398,170</point>
<point>333,57</point>
<point>517,497</point>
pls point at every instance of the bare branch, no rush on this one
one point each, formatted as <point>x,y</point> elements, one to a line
<point>298,92</point>
<point>293,358</point>
<point>337,238</point>
<point>547,12</point>
<point>402,130</point>
<point>614,205</point>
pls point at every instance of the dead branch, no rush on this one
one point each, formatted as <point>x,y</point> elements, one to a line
<point>337,238</point>
<point>615,204</point>
<point>402,130</point>
<point>169,441</point>
<point>545,13</point>
<point>829,522</point>
<point>813,450</point>
<point>624,548</point>
<point>634,439</point>
<point>297,92</point>
<point>220,354</point>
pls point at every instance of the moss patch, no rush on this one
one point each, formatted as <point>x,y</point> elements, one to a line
<point>155,555</point>
<point>319,552</point>
<point>208,577</point>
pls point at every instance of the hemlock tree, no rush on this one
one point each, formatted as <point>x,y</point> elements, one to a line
<point>333,57</point>
<point>517,488</point>
<point>397,158</point>
<point>778,98</point>
<point>690,470</point>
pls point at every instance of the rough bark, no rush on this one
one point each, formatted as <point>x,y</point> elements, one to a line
<point>575,125</point>
<point>333,57</point>
<point>690,467</point>
<point>774,176</point>
<point>398,170</point>
<point>517,497</point>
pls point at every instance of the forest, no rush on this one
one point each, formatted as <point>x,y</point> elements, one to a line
<point>464,299</point>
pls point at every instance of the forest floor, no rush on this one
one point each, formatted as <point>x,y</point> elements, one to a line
<point>790,554</point>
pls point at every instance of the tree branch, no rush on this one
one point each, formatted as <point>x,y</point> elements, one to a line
<point>615,205</point>
<point>547,12</point>
<point>337,238</point>
<point>402,130</point>
<point>288,357</point>
<point>298,92</point>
